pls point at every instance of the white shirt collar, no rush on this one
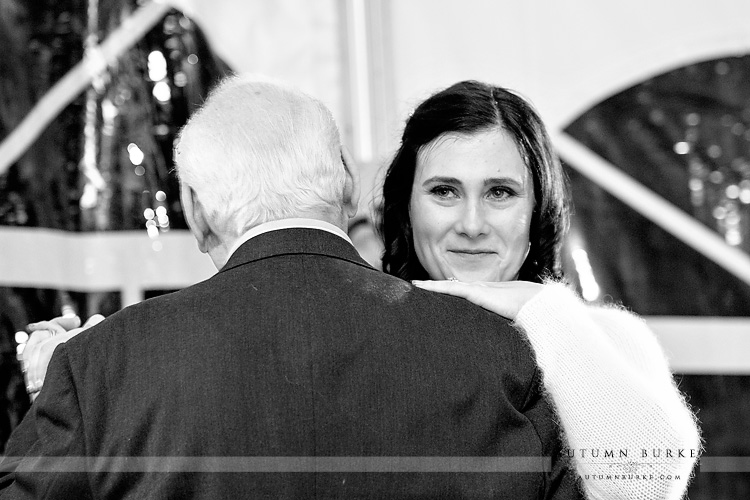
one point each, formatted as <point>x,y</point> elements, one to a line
<point>297,222</point>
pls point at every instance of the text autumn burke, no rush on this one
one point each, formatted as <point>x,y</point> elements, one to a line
<point>625,453</point>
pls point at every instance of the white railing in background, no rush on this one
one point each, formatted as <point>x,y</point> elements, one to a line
<point>126,261</point>
<point>706,345</point>
<point>123,261</point>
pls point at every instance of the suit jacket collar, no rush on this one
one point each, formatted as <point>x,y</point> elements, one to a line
<point>294,241</point>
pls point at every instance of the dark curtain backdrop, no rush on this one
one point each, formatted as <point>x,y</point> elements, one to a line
<point>83,173</point>
<point>685,135</point>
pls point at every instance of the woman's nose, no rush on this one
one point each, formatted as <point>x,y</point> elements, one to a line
<point>472,222</point>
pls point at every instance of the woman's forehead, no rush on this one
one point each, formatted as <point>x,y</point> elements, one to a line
<point>487,153</point>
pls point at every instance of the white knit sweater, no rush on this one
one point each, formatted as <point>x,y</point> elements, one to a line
<point>618,405</point>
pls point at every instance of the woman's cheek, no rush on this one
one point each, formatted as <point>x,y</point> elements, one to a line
<point>521,223</point>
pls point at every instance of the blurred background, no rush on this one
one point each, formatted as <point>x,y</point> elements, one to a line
<point>648,104</point>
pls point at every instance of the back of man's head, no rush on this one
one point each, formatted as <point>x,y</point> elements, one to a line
<point>258,151</point>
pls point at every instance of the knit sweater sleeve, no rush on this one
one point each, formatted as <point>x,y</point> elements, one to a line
<point>629,431</point>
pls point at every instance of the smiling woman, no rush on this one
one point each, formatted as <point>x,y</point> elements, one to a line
<point>490,145</point>
<point>471,206</point>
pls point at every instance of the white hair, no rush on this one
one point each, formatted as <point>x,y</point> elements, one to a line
<point>258,151</point>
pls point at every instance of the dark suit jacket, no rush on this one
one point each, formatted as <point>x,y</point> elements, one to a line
<point>296,349</point>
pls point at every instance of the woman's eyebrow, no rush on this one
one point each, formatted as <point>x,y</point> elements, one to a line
<point>502,180</point>
<point>441,179</point>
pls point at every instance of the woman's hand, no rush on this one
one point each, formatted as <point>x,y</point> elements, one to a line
<point>45,336</point>
<point>503,298</point>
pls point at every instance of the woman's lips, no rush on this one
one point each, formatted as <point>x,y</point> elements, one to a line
<point>471,255</point>
<point>472,252</point>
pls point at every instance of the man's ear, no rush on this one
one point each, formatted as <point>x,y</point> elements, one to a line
<point>352,186</point>
<point>195,217</point>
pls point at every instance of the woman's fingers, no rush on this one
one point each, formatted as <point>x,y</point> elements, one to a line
<point>30,357</point>
<point>45,337</point>
<point>38,345</point>
<point>68,322</point>
<point>57,325</point>
<point>92,321</point>
<point>37,354</point>
<point>31,352</point>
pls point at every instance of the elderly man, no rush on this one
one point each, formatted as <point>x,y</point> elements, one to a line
<point>297,371</point>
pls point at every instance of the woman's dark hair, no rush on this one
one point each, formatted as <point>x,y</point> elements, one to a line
<point>468,108</point>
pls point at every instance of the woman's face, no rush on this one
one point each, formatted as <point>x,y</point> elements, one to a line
<point>471,207</point>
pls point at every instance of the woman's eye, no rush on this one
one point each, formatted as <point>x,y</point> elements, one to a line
<point>443,192</point>
<point>500,193</point>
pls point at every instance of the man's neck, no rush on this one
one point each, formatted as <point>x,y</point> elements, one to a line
<point>221,253</point>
